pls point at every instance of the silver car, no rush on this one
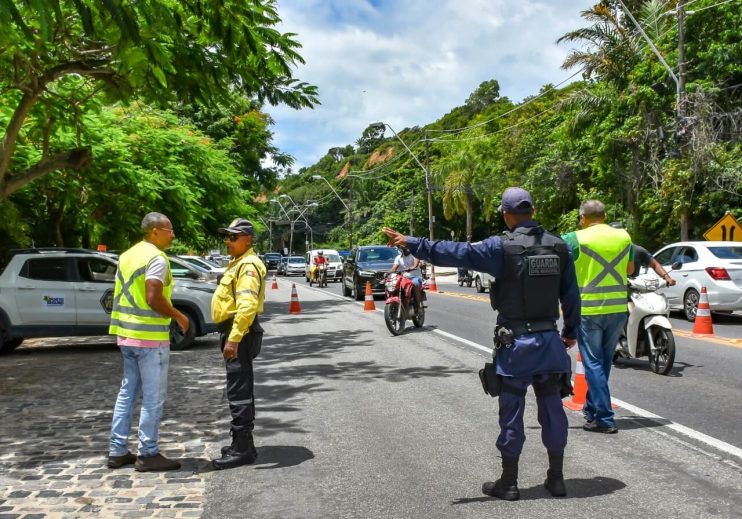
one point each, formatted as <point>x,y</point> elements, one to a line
<point>716,265</point>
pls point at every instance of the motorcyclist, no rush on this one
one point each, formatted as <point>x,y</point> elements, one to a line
<point>318,260</point>
<point>643,259</point>
<point>406,262</point>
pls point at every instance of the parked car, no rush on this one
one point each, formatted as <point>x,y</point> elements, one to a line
<point>271,260</point>
<point>295,266</point>
<point>182,269</point>
<point>482,281</point>
<point>716,265</point>
<point>281,269</point>
<point>204,264</point>
<point>334,265</point>
<point>367,263</point>
<point>343,253</point>
<point>58,292</point>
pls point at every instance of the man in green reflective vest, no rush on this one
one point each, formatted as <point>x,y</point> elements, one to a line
<point>604,257</point>
<point>141,321</point>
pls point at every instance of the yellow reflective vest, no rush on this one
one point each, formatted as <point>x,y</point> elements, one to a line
<point>240,294</point>
<point>131,316</point>
<point>604,254</point>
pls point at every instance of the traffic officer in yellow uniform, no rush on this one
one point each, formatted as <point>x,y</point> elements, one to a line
<point>235,307</point>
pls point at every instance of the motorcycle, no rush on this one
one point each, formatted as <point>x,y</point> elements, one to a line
<point>648,331</point>
<point>319,275</point>
<point>465,277</point>
<point>401,303</point>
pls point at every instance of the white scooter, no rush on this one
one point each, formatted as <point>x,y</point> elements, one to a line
<point>648,331</point>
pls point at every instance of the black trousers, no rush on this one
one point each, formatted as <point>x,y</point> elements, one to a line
<point>240,387</point>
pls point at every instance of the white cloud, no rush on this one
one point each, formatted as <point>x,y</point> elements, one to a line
<point>408,62</point>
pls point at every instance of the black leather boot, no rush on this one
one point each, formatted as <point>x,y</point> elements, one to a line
<point>225,448</point>
<point>507,486</point>
<point>554,477</point>
<point>243,453</point>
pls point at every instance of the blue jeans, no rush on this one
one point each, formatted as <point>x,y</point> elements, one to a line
<point>598,337</point>
<point>145,372</point>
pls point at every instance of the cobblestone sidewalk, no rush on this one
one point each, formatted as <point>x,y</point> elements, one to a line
<point>56,400</point>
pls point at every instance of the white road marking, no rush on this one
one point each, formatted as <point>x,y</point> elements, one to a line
<point>682,429</point>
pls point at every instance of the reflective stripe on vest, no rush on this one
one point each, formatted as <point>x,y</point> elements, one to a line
<point>601,269</point>
<point>131,316</point>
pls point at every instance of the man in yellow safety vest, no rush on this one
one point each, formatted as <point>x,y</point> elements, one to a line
<point>604,257</point>
<point>141,321</point>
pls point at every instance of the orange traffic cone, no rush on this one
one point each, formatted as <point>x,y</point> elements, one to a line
<point>579,394</point>
<point>369,305</point>
<point>703,325</point>
<point>294,306</point>
<point>274,284</point>
<point>432,287</point>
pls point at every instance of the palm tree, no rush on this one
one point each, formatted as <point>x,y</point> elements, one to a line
<point>458,174</point>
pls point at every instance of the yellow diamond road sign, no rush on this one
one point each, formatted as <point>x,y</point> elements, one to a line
<point>726,229</point>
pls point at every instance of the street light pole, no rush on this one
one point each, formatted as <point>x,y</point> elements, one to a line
<point>428,184</point>
<point>293,222</point>
<point>348,207</point>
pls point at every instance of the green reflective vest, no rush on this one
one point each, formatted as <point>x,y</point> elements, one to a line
<point>131,316</point>
<point>601,269</point>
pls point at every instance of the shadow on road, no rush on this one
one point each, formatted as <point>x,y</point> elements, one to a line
<point>280,456</point>
<point>577,488</point>
<point>643,365</point>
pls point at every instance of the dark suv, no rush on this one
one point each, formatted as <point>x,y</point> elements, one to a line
<point>367,263</point>
<point>271,260</point>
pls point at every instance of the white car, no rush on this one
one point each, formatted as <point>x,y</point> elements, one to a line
<point>716,265</point>
<point>59,292</point>
<point>204,264</point>
<point>334,265</point>
<point>295,266</point>
<point>482,281</point>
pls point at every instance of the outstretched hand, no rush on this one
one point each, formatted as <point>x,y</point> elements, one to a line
<point>395,238</point>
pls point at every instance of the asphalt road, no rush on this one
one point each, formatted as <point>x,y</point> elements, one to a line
<point>703,390</point>
<point>362,424</point>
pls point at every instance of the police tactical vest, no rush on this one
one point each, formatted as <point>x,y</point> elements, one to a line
<point>533,263</point>
<point>131,316</point>
<point>601,269</point>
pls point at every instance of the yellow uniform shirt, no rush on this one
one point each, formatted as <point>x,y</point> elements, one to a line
<point>240,294</point>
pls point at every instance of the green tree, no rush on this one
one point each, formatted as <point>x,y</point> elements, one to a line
<point>160,51</point>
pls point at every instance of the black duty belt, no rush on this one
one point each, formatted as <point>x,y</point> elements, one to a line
<point>523,327</point>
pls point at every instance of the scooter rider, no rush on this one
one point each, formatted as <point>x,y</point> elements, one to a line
<point>406,262</point>
<point>319,259</point>
<point>534,273</point>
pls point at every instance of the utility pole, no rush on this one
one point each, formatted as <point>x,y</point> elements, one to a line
<point>350,214</point>
<point>681,115</point>
<point>428,185</point>
<point>412,213</point>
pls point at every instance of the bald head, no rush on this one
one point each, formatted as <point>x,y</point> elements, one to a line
<point>592,211</point>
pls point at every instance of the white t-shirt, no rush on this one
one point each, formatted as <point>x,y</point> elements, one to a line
<point>405,262</point>
<point>156,269</point>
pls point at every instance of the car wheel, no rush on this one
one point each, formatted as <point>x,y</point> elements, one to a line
<point>690,304</point>
<point>478,284</point>
<point>8,345</point>
<point>347,292</point>
<point>359,291</point>
<point>180,340</point>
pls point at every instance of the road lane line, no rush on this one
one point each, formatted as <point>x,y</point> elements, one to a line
<point>682,429</point>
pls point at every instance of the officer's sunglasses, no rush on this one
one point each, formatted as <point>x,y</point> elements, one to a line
<point>233,237</point>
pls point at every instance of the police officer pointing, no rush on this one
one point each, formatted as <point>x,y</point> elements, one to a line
<point>534,273</point>
<point>235,307</point>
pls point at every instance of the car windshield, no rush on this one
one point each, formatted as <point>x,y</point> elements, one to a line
<point>332,258</point>
<point>299,260</point>
<point>378,254</point>
<point>731,252</point>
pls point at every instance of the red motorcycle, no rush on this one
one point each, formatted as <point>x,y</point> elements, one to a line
<point>401,303</point>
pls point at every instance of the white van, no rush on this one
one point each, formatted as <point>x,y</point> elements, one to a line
<point>334,265</point>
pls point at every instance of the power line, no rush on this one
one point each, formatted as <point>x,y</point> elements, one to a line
<point>518,107</point>
<point>694,11</point>
<point>519,123</point>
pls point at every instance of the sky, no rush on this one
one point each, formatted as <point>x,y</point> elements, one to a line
<point>408,62</point>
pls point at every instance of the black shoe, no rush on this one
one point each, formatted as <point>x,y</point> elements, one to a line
<point>502,491</point>
<point>555,486</point>
<point>116,462</point>
<point>243,453</point>
<point>594,427</point>
<point>156,463</point>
